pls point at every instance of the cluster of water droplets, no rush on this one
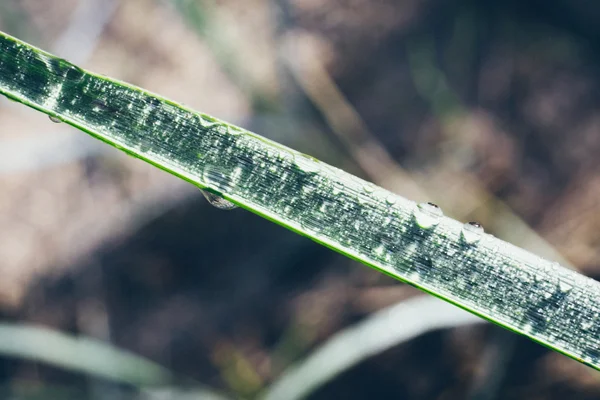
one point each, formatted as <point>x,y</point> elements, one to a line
<point>457,261</point>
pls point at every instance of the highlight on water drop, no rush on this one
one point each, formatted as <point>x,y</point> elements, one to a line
<point>368,188</point>
<point>74,73</point>
<point>427,215</point>
<point>471,232</point>
<point>306,163</point>
<point>217,201</point>
<point>564,287</point>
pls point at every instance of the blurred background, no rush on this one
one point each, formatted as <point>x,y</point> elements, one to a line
<point>118,281</point>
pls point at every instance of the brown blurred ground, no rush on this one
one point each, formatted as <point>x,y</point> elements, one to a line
<point>474,100</point>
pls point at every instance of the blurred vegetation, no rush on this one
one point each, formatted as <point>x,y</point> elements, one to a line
<point>488,108</point>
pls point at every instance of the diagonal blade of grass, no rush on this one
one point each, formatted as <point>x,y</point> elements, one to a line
<point>93,357</point>
<point>414,243</point>
<point>381,331</point>
<point>80,354</point>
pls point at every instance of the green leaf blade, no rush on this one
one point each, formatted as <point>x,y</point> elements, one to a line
<point>475,271</point>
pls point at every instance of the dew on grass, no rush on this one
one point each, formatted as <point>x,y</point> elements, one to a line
<point>471,232</point>
<point>427,215</point>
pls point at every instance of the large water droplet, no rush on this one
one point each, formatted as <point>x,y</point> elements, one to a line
<point>361,200</point>
<point>207,121</point>
<point>74,74</point>
<point>312,224</point>
<point>390,200</point>
<point>217,179</point>
<point>234,130</point>
<point>368,188</point>
<point>471,232</point>
<point>564,287</point>
<point>54,119</point>
<point>218,201</point>
<point>427,215</point>
<point>306,163</point>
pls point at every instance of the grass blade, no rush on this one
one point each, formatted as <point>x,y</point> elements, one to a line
<point>381,331</point>
<point>414,243</point>
<point>80,354</point>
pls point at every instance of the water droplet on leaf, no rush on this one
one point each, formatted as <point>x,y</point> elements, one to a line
<point>471,232</point>
<point>312,224</point>
<point>217,201</point>
<point>234,130</point>
<point>307,163</point>
<point>54,119</point>
<point>427,215</point>
<point>564,287</point>
<point>74,74</point>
